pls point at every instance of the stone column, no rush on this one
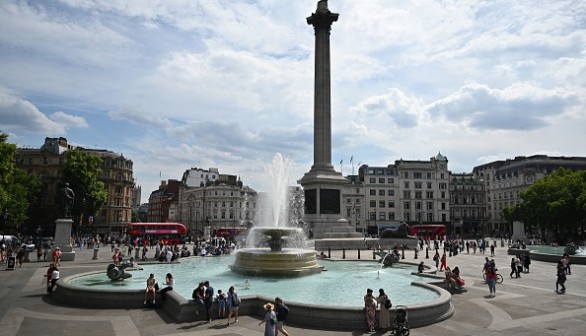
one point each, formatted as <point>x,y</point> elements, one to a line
<point>322,21</point>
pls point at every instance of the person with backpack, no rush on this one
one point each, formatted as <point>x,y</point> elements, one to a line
<point>282,312</point>
<point>233,304</point>
<point>384,315</point>
<point>270,320</point>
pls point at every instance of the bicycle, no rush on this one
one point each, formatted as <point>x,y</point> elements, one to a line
<point>499,278</point>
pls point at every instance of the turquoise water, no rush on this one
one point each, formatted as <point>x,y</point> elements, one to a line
<point>554,250</point>
<point>343,284</point>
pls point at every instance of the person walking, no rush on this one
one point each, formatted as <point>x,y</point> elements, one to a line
<point>513,268</point>
<point>370,309</point>
<point>233,303</point>
<point>443,262</point>
<point>270,320</point>
<point>491,280</point>
<point>282,312</point>
<point>383,301</point>
<point>436,259</point>
<point>561,279</point>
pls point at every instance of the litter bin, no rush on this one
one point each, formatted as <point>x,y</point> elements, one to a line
<point>96,250</point>
<point>11,263</point>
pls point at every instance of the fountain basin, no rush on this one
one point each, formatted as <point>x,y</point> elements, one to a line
<point>344,284</point>
<point>548,254</point>
<point>286,263</point>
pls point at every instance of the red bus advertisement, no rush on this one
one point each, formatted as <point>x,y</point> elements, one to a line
<point>428,231</point>
<point>230,233</point>
<point>168,233</point>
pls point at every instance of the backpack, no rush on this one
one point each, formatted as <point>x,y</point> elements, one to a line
<point>388,303</point>
<point>235,300</point>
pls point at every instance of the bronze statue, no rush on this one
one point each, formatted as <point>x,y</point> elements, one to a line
<point>67,200</point>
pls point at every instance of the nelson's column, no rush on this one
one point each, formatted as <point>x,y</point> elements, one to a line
<point>322,184</point>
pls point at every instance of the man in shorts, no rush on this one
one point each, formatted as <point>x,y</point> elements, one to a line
<point>282,311</point>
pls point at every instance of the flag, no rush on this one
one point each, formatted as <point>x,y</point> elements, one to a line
<point>352,159</point>
<point>341,161</point>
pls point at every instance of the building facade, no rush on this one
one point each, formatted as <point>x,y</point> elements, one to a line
<point>467,205</point>
<point>505,179</point>
<point>162,200</point>
<point>117,176</point>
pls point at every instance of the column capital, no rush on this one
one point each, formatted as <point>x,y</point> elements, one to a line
<point>322,18</point>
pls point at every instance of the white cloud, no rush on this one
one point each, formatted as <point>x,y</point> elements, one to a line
<point>21,115</point>
<point>68,120</point>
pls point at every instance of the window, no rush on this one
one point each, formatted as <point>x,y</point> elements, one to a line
<point>381,204</point>
<point>381,192</point>
<point>429,205</point>
<point>443,206</point>
<point>348,200</point>
<point>406,174</point>
<point>407,216</point>
<point>381,180</point>
<point>406,184</point>
<point>443,194</point>
<point>417,205</point>
<point>391,192</point>
<point>373,192</point>
<point>390,180</point>
<point>391,204</point>
<point>442,176</point>
<point>429,194</point>
<point>381,216</point>
<point>417,175</point>
<point>443,185</point>
<point>373,204</point>
<point>417,185</point>
<point>407,205</point>
<point>391,216</point>
<point>372,180</point>
<point>429,176</point>
<point>418,194</point>
<point>406,194</point>
<point>428,185</point>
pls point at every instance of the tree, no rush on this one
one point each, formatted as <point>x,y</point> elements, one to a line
<point>81,170</point>
<point>23,189</point>
<point>7,155</point>
<point>135,216</point>
<point>556,203</point>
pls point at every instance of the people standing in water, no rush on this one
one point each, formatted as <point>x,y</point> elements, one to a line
<point>370,309</point>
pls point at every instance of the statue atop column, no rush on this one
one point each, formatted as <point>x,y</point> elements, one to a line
<point>67,200</point>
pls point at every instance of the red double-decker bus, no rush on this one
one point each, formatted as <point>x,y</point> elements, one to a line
<point>230,233</point>
<point>428,231</point>
<point>168,233</point>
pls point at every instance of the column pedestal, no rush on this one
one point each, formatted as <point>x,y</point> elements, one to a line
<point>63,238</point>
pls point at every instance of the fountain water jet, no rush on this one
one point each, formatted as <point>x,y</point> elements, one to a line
<point>286,255</point>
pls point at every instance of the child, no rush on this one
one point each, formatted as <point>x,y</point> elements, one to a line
<point>221,298</point>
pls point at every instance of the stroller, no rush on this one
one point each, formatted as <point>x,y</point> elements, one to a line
<point>401,323</point>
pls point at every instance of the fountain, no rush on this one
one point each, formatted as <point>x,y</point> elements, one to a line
<point>277,250</point>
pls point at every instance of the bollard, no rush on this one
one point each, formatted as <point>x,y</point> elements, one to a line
<point>373,256</point>
<point>96,250</point>
<point>358,254</point>
<point>403,253</point>
<point>329,252</point>
<point>137,252</point>
<point>427,253</point>
<point>502,243</point>
<point>415,254</point>
<point>450,254</point>
<point>344,253</point>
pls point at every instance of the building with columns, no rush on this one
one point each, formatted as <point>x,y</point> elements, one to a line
<point>467,205</point>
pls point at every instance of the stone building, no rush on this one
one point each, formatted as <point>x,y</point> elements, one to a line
<point>117,175</point>
<point>505,179</point>
<point>405,192</point>
<point>162,200</point>
<point>467,205</point>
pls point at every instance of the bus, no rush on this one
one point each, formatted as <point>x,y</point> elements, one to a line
<point>168,233</point>
<point>230,233</point>
<point>428,231</point>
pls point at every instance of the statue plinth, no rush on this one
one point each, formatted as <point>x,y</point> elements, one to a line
<point>63,238</point>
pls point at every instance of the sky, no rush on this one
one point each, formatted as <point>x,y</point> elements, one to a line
<point>175,84</point>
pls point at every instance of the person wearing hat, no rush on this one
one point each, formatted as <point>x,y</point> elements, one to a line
<point>270,320</point>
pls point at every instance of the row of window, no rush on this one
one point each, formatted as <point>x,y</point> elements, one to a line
<point>416,175</point>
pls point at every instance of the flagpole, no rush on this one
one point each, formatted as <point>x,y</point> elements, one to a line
<point>352,162</point>
<point>341,172</point>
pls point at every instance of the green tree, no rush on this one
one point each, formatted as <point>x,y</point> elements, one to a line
<point>556,203</point>
<point>23,190</point>
<point>7,155</point>
<point>135,216</point>
<point>81,170</point>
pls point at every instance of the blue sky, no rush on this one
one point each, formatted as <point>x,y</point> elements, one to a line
<point>174,84</point>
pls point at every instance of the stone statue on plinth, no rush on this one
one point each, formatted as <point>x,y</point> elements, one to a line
<point>67,200</point>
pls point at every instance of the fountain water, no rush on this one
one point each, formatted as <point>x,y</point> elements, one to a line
<point>286,255</point>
